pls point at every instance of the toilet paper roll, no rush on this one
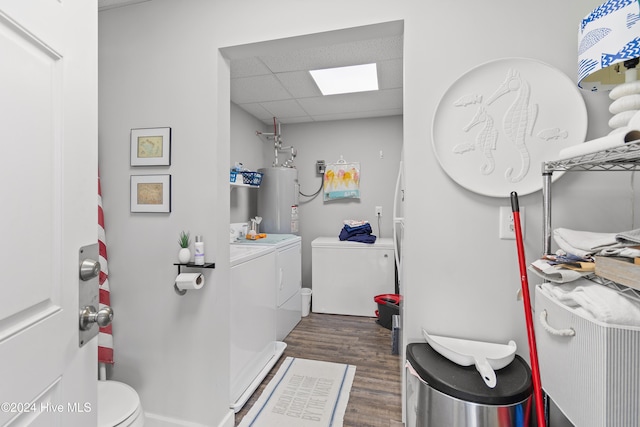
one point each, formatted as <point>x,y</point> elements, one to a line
<point>186,281</point>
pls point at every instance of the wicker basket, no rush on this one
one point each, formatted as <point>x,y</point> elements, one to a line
<point>251,178</point>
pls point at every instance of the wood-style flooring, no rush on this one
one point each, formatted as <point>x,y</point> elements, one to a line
<point>375,399</point>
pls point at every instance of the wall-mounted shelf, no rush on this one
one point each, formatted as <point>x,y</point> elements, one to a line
<point>192,265</point>
<point>245,179</point>
<point>236,184</point>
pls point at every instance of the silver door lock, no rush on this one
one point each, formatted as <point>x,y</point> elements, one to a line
<point>89,269</point>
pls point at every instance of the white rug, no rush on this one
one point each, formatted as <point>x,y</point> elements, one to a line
<point>303,393</point>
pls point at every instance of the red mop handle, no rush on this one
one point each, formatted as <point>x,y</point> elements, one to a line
<point>533,352</point>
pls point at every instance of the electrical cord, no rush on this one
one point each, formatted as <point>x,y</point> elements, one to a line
<point>314,194</point>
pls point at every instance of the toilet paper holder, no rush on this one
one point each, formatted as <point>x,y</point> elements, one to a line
<point>176,288</point>
<point>188,281</point>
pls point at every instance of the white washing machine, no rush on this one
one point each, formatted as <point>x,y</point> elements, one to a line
<point>346,276</point>
<point>288,280</point>
<point>254,349</point>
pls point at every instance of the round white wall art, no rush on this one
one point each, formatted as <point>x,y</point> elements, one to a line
<point>497,123</point>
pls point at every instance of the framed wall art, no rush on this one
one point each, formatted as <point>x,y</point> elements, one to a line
<point>151,147</point>
<point>151,193</point>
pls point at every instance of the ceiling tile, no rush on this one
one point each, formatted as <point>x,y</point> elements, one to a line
<point>286,108</point>
<point>299,84</point>
<point>246,67</point>
<point>336,55</point>
<point>353,102</point>
<point>390,74</point>
<point>291,120</point>
<point>357,115</point>
<point>257,111</point>
<point>257,89</point>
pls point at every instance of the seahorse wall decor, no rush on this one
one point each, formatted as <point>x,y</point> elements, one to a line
<point>500,119</point>
<point>518,122</point>
<point>486,139</point>
<point>519,119</point>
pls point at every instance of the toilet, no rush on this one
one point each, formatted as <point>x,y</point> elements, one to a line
<point>118,405</point>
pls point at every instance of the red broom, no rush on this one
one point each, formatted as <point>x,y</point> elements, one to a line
<point>533,352</point>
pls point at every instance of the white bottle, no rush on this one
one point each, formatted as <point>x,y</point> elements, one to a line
<point>199,249</point>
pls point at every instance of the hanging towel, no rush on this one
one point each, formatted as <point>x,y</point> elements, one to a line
<point>105,337</point>
<point>341,180</point>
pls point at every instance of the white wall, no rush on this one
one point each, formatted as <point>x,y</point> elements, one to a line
<point>251,150</point>
<point>358,140</point>
<point>156,69</point>
<point>460,279</point>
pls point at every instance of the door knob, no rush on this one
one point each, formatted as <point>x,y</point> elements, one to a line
<point>89,316</point>
<point>89,269</point>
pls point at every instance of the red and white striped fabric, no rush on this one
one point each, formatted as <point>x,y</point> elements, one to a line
<point>105,337</point>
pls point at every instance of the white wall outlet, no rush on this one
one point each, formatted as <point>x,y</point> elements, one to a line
<point>378,210</point>
<point>507,229</point>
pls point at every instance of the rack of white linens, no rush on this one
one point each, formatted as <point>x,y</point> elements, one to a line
<point>589,368</point>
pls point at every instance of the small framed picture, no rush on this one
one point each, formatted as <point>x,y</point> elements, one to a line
<point>150,193</point>
<point>151,147</point>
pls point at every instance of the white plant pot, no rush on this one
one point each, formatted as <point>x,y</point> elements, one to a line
<point>184,256</point>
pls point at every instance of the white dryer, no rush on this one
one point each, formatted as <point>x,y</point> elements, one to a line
<point>288,248</point>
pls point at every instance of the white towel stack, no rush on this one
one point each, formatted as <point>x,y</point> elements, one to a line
<point>596,302</point>
<point>586,243</point>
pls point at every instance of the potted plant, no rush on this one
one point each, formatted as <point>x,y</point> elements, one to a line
<point>184,241</point>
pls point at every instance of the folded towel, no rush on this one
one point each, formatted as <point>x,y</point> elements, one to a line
<point>597,301</point>
<point>583,243</point>
<point>614,139</point>
<point>348,231</point>
<point>630,237</point>
<point>555,273</point>
<point>620,251</point>
<point>363,238</point>
<point>355,222</point>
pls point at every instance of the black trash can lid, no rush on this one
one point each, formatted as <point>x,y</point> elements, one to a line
<point>465,383</point>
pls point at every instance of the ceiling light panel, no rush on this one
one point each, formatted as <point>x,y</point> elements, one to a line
<point>356,78</point>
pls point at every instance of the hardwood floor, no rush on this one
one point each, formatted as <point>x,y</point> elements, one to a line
<point>375,399</point>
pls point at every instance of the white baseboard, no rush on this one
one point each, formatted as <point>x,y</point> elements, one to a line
<point>156,420</point>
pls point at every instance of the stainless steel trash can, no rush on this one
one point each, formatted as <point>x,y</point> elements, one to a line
<point>441,393</point>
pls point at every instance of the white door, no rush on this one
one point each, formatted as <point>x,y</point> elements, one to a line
<point>48,209</point>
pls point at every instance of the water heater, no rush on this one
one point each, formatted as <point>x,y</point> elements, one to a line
<point>278,200</point>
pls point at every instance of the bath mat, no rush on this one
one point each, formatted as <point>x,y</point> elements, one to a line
<point>303,393</point>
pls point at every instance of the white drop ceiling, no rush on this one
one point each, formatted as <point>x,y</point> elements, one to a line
<point>271,79</point>
<point>279,84</point>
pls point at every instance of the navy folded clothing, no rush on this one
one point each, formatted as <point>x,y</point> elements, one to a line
<point>363,238</point>
<point>348,231</point>
<point>361,233</point>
